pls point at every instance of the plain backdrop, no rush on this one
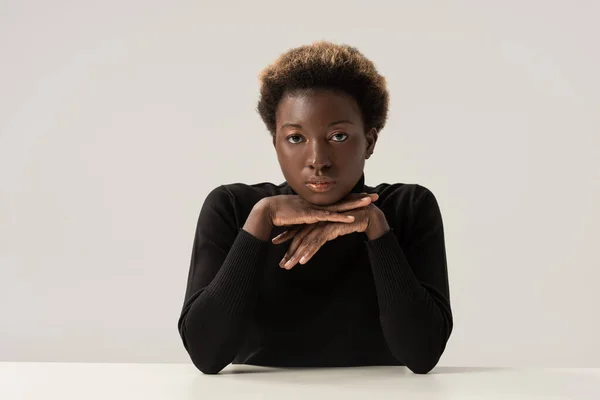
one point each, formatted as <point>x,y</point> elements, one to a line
<point>118,117</point>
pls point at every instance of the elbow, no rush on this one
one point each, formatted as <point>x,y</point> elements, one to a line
<point>209,362</point>
<point>419,346</point>
<point>426,360</point>
<point>419,363</point>
<point>423,356</point>
<point>208,367</point>
<point>422,367</point>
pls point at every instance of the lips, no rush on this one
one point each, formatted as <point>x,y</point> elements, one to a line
<point>319,180</point>
<point>320,184</point>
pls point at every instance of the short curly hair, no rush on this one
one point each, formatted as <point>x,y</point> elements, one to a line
<point>324,65</point>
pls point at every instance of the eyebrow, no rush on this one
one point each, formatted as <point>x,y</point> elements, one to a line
<point>341,121</point>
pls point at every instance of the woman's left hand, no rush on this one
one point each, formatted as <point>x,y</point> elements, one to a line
<point>308,239</point>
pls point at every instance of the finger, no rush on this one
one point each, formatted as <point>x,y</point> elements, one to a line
<point>328,216</point>
<point>354,196</point>
<point>353,202</point>
<point>314,246</point>
<point>312,215</point>
<point>373,196</point>
<point>299,246</point>
<point>285,236</point>
<point>312,243</point>
<point>297,255</point>
<point>328,233</point>
<point>302,233</point>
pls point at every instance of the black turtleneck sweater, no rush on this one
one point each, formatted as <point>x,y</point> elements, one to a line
<point>355,303</point>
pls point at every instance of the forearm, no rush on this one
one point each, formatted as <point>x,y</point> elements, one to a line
<point>416,320</point>
<point>214,320</point>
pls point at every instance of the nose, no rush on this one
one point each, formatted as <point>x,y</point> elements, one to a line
<point>318,156</point>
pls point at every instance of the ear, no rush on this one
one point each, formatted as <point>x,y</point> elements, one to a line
<point>371,136</point>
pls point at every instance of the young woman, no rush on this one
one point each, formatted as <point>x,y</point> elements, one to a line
<point>321,270</point>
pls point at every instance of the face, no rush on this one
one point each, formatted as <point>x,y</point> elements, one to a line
<point>321,144</point>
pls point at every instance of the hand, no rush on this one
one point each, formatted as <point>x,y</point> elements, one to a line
<point>292,210</point>
<point>309,239</point>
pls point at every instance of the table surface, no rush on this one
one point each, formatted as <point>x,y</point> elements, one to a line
<point>67,381</point>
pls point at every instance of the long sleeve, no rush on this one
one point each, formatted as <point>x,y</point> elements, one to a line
<point>412,287</point>
<point>225,271</point>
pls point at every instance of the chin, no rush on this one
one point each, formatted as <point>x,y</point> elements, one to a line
<point>322,199</point>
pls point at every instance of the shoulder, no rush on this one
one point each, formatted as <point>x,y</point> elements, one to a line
<point>404,203</point>
<point>262,189</point>
<point>406,194</point>
<point>243,192</point>
<point>236,200</point>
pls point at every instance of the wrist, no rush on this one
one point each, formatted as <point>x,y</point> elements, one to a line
<point>259,222</point>
<point>378,224</point>
<point>263,209</point>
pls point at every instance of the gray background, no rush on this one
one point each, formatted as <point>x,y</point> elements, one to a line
<point>118,117</point>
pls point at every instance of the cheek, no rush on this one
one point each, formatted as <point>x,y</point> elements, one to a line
<point>289,161</point>
<point>282,156</point>
<point>355,156</point>
<point>289,156</point>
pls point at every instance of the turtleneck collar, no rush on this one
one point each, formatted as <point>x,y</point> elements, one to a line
<point>358,188</point>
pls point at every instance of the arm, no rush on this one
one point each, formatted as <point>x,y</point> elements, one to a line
<point>412,286</point>
<point>225,270</point>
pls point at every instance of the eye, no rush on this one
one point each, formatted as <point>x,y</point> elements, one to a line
<point>294,139</point>
<point>339,137</point>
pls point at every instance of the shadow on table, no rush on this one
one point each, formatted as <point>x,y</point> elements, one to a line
<point>307,382</point>
<point>372,378</point>
<point>276,377</point>
<point>466,370</point>
<point>240,369</point>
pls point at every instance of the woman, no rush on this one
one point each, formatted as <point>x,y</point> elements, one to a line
<point>321,270</point>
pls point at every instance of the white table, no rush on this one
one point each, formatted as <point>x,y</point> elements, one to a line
<point>68,381</point>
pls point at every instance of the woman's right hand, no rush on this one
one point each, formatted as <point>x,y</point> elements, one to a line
<point>293,210</point>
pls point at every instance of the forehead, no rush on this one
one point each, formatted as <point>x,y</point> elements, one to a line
<point>318,107</point>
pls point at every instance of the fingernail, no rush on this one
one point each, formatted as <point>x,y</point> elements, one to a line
<point>350,216</point>
<point>287,264</point>
<point>303,260</point>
